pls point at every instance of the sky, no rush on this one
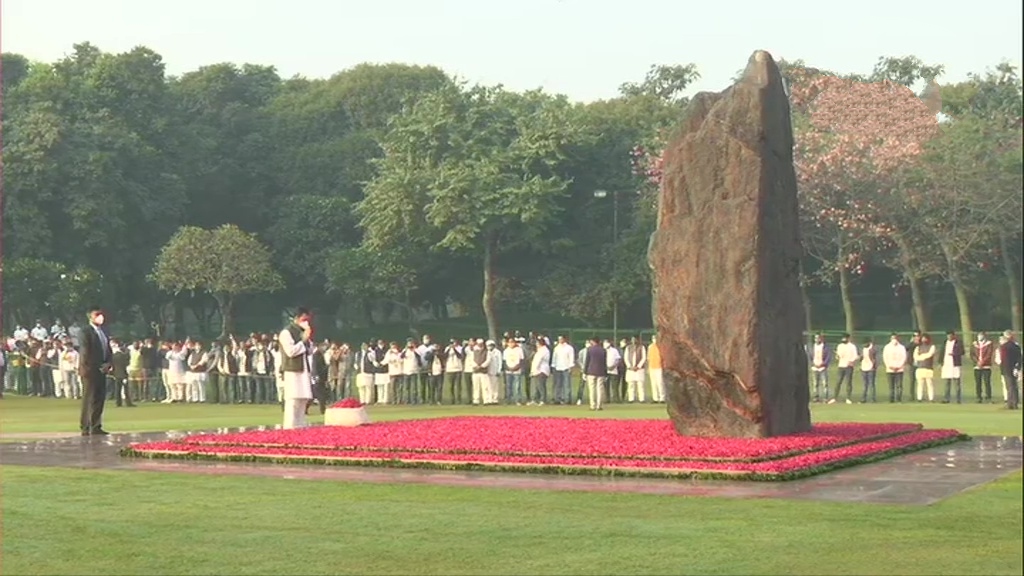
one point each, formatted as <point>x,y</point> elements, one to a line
<point>584,49</point>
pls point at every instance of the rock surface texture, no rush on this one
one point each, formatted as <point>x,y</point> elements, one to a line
<point>725,261</point>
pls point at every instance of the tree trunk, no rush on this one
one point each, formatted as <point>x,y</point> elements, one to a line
<point>917,301</point>
<point>1013,279</point>
<point>226,305</point>
<point>916,283</point>
<point>488,297</point>
<point>844,293</point>
<point>178,316</point>
<point>203,314</point>
<point>963,298</point>
<point>963,302</point>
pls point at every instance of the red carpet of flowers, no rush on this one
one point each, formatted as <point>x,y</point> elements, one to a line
<point>347,403</point>
<point>560,445</point>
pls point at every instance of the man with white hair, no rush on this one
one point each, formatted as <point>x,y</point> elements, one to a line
<point>480,360</point>
<point>636,366</point>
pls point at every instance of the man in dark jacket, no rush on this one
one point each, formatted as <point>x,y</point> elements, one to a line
<point>119,361</point>
<point>1010,364</point>
<point>93,366</point>
<point>595,372</point>
<point>320,369</point>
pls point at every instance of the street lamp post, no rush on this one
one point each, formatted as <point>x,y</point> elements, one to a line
<point>615,242</point>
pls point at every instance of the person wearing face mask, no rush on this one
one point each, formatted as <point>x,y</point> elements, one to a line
<point>120,362</point>
<point>198,364</point>
<point>93,367</point>
<point>296,349</point>
<point>262,371</point>
<point>177,371</point>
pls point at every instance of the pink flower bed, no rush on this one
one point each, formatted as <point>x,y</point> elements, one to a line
<point>786,468</point>
<point>575,438</point>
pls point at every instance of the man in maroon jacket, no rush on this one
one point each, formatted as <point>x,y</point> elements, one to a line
<point>982,352</point>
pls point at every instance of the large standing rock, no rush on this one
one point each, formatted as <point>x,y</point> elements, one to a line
<point>725,260</point>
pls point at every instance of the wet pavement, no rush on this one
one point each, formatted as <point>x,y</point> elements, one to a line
<point>920,478</point>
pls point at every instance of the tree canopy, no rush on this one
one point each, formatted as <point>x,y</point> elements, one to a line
<point>391,193</point>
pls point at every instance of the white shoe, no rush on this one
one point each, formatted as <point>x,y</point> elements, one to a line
<point>832,401</point>
<point>579,402</point>
<point>848,401</point>
<point>540,403</point>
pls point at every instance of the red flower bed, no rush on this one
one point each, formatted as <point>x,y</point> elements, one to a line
<point>347,403</point>
<point>555,437</point>
<point>781,469</point>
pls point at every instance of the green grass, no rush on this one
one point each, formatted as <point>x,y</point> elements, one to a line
<point>60,521</point>
<point>19,415</point>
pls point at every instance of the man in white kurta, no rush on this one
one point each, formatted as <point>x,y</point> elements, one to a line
<point>297,386</point>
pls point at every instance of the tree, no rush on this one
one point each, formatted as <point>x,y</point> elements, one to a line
<point>856,140</point>
<point>89,173</point>
<point>325,134</point>
<point>965,192</point>
<point>587,270</point>
<point>13,69</point>
<point>996,97</point>
<point>906,71</point>
<point>226,144</point>
<point>36,288</point>
<point>664,82</point>
<point>225,263</point>
<point>470,171</point>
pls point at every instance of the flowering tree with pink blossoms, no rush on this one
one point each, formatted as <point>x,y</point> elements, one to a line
<point>854,142</point>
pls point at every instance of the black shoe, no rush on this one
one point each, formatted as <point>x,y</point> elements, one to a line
<point>100,432</point>
<point>86,433</point>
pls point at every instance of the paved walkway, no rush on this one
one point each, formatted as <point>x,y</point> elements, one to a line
<point>920,478</point>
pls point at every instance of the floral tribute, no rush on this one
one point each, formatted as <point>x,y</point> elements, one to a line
<point>561,446</point>
<point>347,403</point>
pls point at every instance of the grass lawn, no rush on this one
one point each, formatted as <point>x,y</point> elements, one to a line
<point>59,521</point>
<point>20,415</point>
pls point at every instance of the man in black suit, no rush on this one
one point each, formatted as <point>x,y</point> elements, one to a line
<point>94,363</point>
<point>1010,364</point>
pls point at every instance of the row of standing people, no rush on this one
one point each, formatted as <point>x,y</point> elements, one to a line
<point>519,371</point>
<point>919,360</point>
<point>248,371</point>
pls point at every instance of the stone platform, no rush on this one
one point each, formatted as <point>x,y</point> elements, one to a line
<point>920,478</point>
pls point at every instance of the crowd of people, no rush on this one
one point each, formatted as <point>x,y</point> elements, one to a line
<point>517,369</point>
